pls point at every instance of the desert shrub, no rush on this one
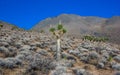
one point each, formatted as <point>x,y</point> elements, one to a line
<point>2,62</point>
<point>43,52</point>
<point>5,44</point>
<point>8,52</point>
<point>11,63</point>
<point>42,64</point>
<point>20,57</point>
<point>4,51</point>
<point>93,58</point>
<point>12,52</point>
<point>25,55</point>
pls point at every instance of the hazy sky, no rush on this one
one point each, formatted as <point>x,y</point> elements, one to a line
<point>26,13</point>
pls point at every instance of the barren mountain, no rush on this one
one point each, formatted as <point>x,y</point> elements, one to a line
<point>75,24</point>
<point>111,28</point>
<point>78,25</point>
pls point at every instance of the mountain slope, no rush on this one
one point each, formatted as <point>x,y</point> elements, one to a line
<point>77,25</point>
<point>74,23</point>
<point>111,27</point>
<point>33,53</point>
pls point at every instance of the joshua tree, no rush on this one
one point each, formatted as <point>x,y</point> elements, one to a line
<point>58,33</point>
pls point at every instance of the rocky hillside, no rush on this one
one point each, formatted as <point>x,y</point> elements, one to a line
<point>78,25</point>
<point>32,53</point>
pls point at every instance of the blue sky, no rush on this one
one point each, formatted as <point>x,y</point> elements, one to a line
<point>26,13</point>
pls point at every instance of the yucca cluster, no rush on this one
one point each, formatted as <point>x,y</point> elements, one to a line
<point>95,39</point>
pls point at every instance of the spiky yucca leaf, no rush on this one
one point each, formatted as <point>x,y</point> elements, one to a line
<point>52,29</point>
<point>64,30</point>
<point>60,26</point>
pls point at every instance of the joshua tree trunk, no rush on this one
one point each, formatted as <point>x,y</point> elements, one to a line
<point>58,56</point>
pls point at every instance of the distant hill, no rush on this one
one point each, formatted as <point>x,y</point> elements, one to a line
<point>8,26</point>
<point>74,23</point>
<point>78,25</point>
